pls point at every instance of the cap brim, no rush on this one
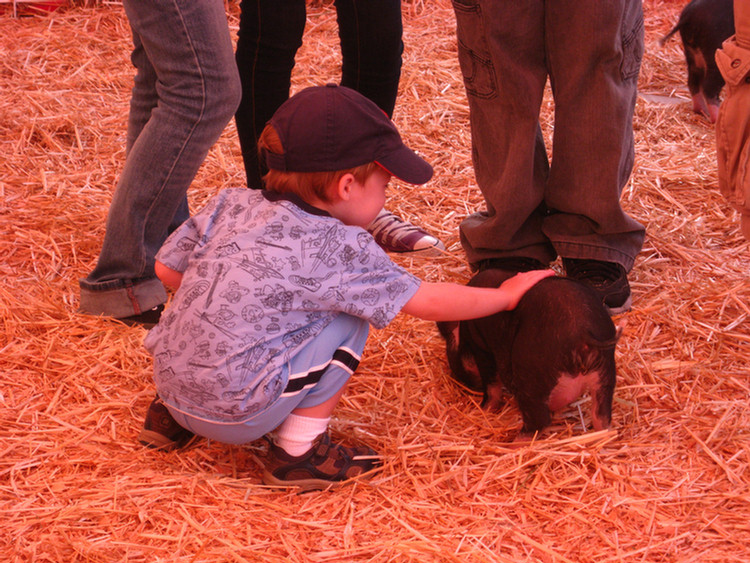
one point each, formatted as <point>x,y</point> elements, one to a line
<point>407,166</point>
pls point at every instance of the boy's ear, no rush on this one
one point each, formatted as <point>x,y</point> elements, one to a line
<point>344,186</point>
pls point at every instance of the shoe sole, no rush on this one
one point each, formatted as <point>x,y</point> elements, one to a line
<point>429,252</point>
<point>306,485</point>
<point>624,308</point>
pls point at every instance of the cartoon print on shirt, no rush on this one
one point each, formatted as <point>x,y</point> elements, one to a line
<point>258,266</point>
<point>202,350</point>
<point>382,314</point>
<point>347,256</point>
<point>364,240</point>
<point>222,379</point>
<point>308,305</point>
<point>312,284</point>
<point>294,338</point>
<point>322,248</point>
<point>395,288</point>
<point>168,317</point>
<point>244,365</point>
<point>236,209</point>
<point>220,272</point>
<point>183,245</point>
<point>234,292</point>
<point>224,317</point>
<point>222,348</point>
<point>217,322</point>
<point>252,313</point>
<point>275,231</point>
<point>353,310</point>
<point>370,296</point>
<point>198,289</point>
<point>264,216</point>
<point>194,391</point>
<point>166,373</point>
<point>264,242</point>
<point>227,249</point>
<point>373,278</point>
<point>334,294</point>
<point>275,297</point>
<point>193,330</point>
<point>163,363</point>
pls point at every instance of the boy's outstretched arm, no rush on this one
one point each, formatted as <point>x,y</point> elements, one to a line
<point>456,302</point>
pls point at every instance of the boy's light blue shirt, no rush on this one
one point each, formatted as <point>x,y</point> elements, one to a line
<point>263,274</point>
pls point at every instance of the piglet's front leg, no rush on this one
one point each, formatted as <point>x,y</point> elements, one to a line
<point>490,373</point>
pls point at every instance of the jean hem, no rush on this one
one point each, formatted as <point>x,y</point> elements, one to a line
<point>121,299</point>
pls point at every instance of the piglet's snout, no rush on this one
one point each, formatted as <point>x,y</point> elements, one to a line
<point>571,387</point>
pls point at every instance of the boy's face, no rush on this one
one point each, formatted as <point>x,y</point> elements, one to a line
<point>364,201</point>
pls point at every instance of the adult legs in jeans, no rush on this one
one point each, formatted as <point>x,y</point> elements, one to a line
<point>591,52</point>
<point>186,90</point>
<point>570,207</point>
<point>370,36</point>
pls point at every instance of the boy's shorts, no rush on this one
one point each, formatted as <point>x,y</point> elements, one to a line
<point>317,373</point>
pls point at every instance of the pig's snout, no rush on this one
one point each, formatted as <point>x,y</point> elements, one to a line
<point>569,388</point>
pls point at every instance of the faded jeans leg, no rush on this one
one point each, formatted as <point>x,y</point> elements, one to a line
<point>186,90</point>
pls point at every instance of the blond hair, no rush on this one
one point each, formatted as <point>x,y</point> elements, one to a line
<point>307,185</point>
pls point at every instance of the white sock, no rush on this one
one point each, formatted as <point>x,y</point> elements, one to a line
<point>296,434</point>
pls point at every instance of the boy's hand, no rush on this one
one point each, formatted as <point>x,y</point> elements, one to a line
<point>455,302</point>
<point>519,284</point>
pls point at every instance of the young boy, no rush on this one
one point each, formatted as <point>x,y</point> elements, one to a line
<point>276,291</point>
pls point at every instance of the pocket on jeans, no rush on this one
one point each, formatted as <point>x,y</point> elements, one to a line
<point>632,41</point>
<point>473,52</point>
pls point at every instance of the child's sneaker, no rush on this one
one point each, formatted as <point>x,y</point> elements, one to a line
<point>324,465</point>
<point>609,280</point>
<point>160,430</point>
<point>393,234</point>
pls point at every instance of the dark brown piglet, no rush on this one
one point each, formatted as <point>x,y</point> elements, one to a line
<point>558,343</point>
<point>703,27</point>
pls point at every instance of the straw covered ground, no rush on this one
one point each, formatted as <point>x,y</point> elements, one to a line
<point>668,482</point>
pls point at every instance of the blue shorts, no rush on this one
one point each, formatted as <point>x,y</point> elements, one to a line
<point>316,374</point>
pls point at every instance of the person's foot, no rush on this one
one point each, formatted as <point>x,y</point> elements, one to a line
<point>609,280</point>
<point>160,430</point>
<point>394,234</point>
<point>513,264</point>
<point>147,319</point>
<point>323,466</point>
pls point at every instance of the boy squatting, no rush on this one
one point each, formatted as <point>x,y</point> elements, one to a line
<point>276,289</point>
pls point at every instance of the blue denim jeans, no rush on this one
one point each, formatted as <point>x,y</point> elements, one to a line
<point>271,33</point>
<point>570,205</point>
<point>185,92</point>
